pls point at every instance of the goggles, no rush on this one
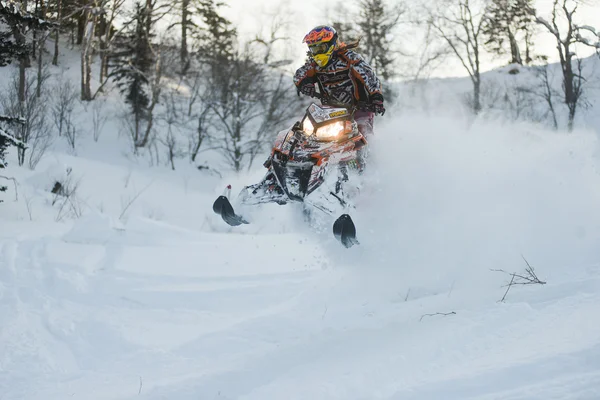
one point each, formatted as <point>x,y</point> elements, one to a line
<point>320,48</point>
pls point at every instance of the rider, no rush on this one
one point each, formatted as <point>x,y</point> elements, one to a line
<point>340,74</point>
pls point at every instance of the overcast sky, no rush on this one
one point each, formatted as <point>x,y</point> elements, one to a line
<point>302,15</point>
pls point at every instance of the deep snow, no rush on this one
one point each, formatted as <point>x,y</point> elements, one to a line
<point>162,301</point>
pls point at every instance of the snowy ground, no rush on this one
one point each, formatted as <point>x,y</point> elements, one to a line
<point>148,295</point>
<point>164,302</point>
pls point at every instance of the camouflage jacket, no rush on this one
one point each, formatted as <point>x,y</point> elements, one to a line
<point>347,78</point>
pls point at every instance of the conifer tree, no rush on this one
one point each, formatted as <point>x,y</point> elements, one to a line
<point>505,22</point>
<point>13,46</point>
<point>131,68</point>
<point>215,40</point>
<point>376,24</point>
<point>7,139</point>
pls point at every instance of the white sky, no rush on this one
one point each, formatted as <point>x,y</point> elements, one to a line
<point>251,16</point>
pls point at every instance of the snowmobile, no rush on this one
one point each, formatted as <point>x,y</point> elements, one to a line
<point>312,162</point>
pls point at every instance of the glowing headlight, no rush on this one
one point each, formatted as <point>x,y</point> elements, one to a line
<point>330,131</point>
<point>308,127</point>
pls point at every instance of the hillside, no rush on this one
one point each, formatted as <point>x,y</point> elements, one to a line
<point>133,288</point>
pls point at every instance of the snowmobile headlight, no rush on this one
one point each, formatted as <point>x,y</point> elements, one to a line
<point>331,131</point>
<point>308,127</point>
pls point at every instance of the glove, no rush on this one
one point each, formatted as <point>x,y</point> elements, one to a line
<point>376,101</point>
<point>308,89</point>
<point>378,107</point>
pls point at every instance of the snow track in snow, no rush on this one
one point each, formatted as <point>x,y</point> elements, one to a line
<point>185,308</point>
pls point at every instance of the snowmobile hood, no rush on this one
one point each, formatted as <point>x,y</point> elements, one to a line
<point>321,114</point>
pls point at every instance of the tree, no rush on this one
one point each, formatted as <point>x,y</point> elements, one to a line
<point>107,34</point>
<point>247,95</point>
<point>132,66</point>
<point>10,50</point>
<point>563,12</point>
<point>185,9</point>
<point>460,26</point>
<point>20,23</point>
<point>343,22</point>
<point>241,107</point>
<point>7,139</point>
<point>376,23</point>
<point>90,18</point>
<point>13,45</point>
<point>215,42</point>
<point>504,20</point>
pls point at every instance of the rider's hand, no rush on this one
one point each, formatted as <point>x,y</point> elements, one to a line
<point>308,89</point>
<point>378,107</point>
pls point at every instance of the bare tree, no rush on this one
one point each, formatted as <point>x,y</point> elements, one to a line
<point>63,105</point>
<point>108,33</point>
<point>545,91</point>
<point>155,90</point>
<point>254,99</point>
<point>91,15</point>
<point>200,111</point>
<point>563,12</point>
<point>172,117</point>
<point>460,24</point>
<point>237,109</point>
<point>583,37</point>
<point>99,118</point>
<point>35,133</point>
<point>429,57</point>
<point>62,109</point>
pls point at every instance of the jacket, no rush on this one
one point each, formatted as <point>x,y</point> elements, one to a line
<point>347,78</point>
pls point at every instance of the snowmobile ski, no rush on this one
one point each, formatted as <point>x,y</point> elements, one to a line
<point>345,231</point>
<point>223,207</point>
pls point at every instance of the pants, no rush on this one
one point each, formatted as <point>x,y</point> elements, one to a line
<point>364,120</point>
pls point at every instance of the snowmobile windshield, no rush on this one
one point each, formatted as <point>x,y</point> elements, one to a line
<point>324,114</point>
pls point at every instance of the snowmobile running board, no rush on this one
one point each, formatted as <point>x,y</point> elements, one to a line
<point>343,228</point>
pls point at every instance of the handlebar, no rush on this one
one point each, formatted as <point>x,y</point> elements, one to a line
<point>358,106</point>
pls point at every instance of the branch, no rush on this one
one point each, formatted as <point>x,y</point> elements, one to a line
<point>437,313</point>
<point>15,183</point>
<point>131,201</point>
<point>529,278</point>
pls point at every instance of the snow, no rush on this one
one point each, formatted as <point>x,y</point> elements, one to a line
<point>148,295</point>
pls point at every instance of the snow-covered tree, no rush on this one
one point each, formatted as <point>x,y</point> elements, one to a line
<point>9,49</point>
<point>7,139</point>
<point>20,22</point>
<point>13,46</point>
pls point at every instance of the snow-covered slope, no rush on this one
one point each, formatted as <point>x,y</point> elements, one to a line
<point>148,295</point>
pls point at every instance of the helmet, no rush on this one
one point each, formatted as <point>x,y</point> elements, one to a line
<point>321,41</point>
